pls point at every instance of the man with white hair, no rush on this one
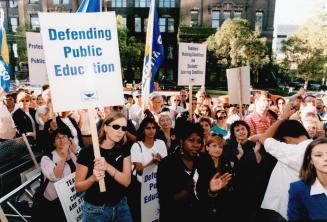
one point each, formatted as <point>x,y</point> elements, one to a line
<point>135,110</point>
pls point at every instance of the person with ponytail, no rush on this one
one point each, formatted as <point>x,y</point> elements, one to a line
<point>114,166</point>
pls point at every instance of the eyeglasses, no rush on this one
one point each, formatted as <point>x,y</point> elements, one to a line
<point>25,100</point>
<point>61,137</point>
<point>117,127</point>
<point>176,100</point>
<point>117,107</point>
<point>222,117</point>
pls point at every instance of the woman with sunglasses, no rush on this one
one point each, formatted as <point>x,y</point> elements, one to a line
<point>307,197</point>
<point>146,152</point>
<point>187,179</point>
<point>114,166</point>
<point>246,156</point>
<point>221,125</point>
<point>24,117</point>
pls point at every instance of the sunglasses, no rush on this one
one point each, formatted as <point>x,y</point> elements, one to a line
<point>26,100</point>
<point>183,95</point>
<point>222,117</point>
<point>138,96</point>
<point>117,127</point>
<point>117,107</point>
<point>176,100</point>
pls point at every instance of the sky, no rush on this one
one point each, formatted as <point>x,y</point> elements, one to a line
<point>295,12</point>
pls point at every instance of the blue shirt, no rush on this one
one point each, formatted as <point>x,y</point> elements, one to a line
<point>305,206</point>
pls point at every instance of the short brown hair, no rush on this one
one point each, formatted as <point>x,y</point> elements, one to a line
<point>260,93</point>
<point>308,172</point>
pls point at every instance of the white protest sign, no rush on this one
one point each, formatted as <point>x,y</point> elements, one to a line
<point>36,61</point>
<point>235,77</point>
<point>149,194</point>
<point>71,201</point>
<point>192,64</point>
<point>82,59</point>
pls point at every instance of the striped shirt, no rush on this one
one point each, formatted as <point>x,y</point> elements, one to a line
<point>259,124</point>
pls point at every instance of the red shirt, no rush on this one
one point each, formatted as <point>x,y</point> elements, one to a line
<point>259,124</point>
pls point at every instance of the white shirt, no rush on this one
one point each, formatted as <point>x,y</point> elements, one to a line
<point>47,167</point>
<point>40,110</point>
<point>144,154</point>
<point>133,115</point>
<point>286,171</point>
<point>317,188</point>
<point>7,125</point>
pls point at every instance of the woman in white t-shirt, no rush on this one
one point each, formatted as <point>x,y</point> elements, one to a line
<point>146,152</point>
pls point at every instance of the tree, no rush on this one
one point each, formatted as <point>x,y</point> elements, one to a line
<point>20,38</point>
<point>306,50</point>
<point>131,51</point>
<point>235,44</point>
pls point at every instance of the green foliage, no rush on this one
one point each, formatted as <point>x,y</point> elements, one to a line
<point>236,44</point>
<point>194,34</point>
<point>306,50</point>
<point>131,50</point>
<point>20,38</point>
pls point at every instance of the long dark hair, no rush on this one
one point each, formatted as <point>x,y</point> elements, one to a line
<point>308,171</point>
<point>140,132</point>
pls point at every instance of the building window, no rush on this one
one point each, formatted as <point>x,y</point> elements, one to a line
<point>258,20</point>
<point>13,24</point>
<point>194,17</point>
<point>33,1</point>
<point>162,24</point>
<point>65,2</point>
<point>55,2</point>
<point>13,3</point>
<point>238,14</point>
<point>141,3</point>
<point>166,3</point>
<point>138,25</point>
<point>171,25</point>
<point>35,24</point>
<point>226,15</point>
<point>215,19</point>
<point>145,24</point>
<point>118,3</point>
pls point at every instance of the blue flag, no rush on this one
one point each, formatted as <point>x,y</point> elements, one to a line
<point>90,6</point>
<point>4,56</point>
<point>154,52</point>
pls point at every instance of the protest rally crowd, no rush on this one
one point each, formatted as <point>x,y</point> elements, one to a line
<point>267,164</point>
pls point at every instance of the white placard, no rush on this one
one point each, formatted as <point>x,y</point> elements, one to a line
<point>233,81</point>
<point>149,194</point>
<point>36,61</point>
<point>192,64</point>
<point>71,201</point>
<point>82,59</point>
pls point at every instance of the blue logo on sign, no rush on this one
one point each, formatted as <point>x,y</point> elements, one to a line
<point>89,96</point>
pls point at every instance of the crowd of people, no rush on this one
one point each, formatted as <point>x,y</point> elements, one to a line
<point>268,163</point>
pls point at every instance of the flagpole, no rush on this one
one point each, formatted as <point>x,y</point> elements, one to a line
<point>148,48</point>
